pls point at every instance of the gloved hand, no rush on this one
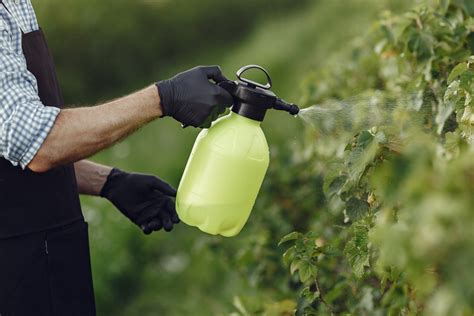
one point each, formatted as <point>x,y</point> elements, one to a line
<point>145,199</point>
<point>192,99</point>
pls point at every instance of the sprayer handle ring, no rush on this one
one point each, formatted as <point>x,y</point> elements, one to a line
<point>241,71</point>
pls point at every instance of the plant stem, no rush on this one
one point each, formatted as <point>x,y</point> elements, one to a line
<point>321,297</point>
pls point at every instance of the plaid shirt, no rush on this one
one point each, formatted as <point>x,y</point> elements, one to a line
<point>24,121</point>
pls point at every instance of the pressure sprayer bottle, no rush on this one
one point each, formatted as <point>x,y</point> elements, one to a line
<point>229,160</point>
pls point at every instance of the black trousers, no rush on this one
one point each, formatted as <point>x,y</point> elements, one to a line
<point>47,273</point>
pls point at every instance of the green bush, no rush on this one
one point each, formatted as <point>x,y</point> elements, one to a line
<point>385,205</point>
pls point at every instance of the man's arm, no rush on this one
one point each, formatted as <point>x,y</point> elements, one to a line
<point>81,132</point>
<point>189,97</point>
<point>145,199</point>
<point>41,137</point>
<point>91,177</point>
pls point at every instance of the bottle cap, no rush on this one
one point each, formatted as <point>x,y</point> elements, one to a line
<point>253,99</point>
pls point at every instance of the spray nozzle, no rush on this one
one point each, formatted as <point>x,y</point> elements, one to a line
<point>253,99</point>
<point>291,108</point>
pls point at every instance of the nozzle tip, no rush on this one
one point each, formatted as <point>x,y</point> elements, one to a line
<point>294,109</point>
<point>280,104</point>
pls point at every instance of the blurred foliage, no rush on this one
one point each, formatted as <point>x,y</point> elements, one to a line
<point>134,43</point>
<point>385,213</point>
<point>395,235</point>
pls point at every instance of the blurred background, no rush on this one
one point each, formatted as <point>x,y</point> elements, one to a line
<point>105,49</point>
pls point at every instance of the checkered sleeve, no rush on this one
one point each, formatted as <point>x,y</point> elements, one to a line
<point>24,121</point>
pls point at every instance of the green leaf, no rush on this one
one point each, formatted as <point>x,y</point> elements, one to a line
<point>466,79</point>
<point>336,185</point>
<point>453,93</point>
<point>295,265</point>
<point>362,155</point>
<point>309,295</point>
<point>289,255</point>
<point>457,71</point>
<point>452,97</point>
<point>356,208</point>
<point>305,271</point>
<point>357,251</point>
<point>420,44</point>
<point>306,293</point>
<point>289,237</point>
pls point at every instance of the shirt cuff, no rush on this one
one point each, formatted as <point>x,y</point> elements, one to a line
<point>48,115</point>
<point>25,131</point>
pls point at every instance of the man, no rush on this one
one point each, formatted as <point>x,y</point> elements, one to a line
<point>44,251</point>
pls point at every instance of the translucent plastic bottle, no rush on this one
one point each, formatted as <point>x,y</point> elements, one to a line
<point>223,176</point>
<point>228,162</point>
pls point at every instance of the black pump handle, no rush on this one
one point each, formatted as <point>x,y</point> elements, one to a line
<point>241,71</point>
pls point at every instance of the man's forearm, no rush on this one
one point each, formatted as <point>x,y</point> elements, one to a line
<point>91,177</point>
<point>81,132</point>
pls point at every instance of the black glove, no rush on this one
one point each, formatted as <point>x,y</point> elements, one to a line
<point>146,200</point>
<point>192,99</point>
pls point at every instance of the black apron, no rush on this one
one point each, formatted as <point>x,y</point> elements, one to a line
<point>44,248</point>
<point>32,202</point>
